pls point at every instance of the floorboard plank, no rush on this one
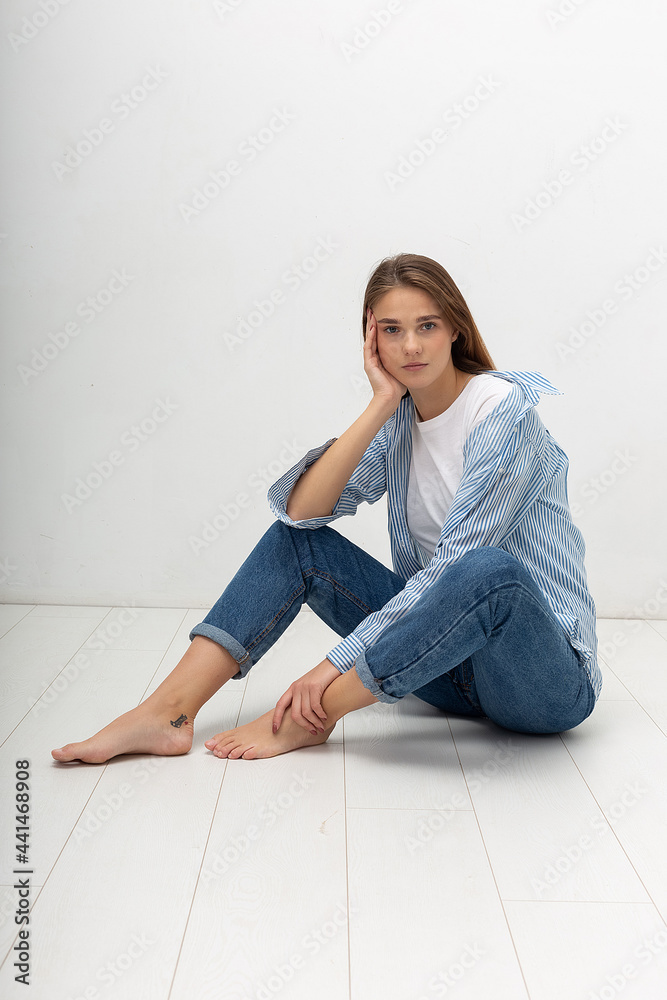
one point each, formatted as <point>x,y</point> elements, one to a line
<point>425,921</point>
<point>402,756</point>
<point>623,758</point>
<point>270,912</point>
<point>10,614</point>
<point>32,655</point>
<point>536,813</point>
<point>590,951</point>
<point>637,654</point>
<point>124,881</point>
<point>112,684</point>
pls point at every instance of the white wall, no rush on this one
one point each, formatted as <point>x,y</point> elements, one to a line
<point>342,105</point>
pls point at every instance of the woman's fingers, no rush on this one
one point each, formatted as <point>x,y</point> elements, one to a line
<point>299,708</point>
<point>301,712</point>
<point>282,705</point>
<point>305,714</point>
<point>312,710</point>
<point>368,343</point>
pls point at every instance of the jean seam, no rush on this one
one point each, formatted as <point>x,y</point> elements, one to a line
<point>500,586</point>
<point>276,618</point>
<point>313,571</point>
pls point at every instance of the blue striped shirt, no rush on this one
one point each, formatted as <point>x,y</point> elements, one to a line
<point>512,495</point>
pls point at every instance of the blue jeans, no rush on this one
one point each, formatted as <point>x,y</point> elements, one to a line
<point>482,641</point>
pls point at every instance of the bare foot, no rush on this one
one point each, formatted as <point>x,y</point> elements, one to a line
<point>256,739</point>
<point>143,730</point>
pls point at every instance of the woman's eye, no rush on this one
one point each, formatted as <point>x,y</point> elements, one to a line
<point>394,329</point>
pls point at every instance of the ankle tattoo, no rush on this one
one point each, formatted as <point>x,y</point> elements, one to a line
<point>179,722</point>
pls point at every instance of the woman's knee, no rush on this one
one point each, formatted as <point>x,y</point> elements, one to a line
<point>494,560</point>
<point>488,568</point>
<point>545,720</point>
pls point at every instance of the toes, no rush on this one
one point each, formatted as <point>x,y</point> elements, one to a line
<point>222,745</point>
<point>219,740</point>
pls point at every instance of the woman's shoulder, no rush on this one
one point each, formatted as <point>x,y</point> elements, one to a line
<point>483,393</point>
<point>490,385</point>
<point>521,389</point>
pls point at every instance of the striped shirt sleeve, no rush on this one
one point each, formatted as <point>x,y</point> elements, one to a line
<point>367,484</point>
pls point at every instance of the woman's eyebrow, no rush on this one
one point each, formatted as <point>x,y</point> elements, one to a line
<point>420,319</point>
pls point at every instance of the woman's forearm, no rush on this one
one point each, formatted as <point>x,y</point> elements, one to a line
<point>317,491</point>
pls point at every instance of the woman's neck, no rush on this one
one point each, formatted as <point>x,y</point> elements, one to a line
<point>431,402</point>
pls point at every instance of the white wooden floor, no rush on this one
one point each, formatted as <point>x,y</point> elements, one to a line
<point>413,856</point>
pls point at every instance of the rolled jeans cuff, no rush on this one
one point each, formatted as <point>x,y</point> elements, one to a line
<point>370,682</point>
<point>228,641</point>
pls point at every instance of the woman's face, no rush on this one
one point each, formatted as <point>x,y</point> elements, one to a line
<point>414,338</point>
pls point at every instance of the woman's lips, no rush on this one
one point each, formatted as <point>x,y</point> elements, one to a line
<point>415,367</point>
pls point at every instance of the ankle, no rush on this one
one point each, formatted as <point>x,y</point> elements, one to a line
<point>179,711</point>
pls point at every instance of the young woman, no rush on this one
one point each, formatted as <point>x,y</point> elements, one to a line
<point>487,612</point>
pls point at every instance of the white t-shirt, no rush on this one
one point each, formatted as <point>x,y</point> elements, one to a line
<point>437,457</point>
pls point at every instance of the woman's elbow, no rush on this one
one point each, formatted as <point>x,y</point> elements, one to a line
<point>298,513</point>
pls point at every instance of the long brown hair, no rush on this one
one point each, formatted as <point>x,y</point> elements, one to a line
<point>469,353</point>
